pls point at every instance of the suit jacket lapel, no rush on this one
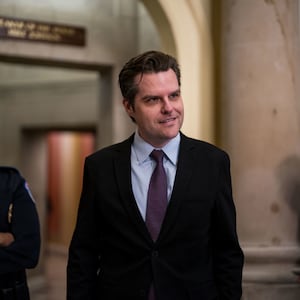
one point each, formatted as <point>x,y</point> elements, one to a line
<point>183,174</point>
<point>122,167</point>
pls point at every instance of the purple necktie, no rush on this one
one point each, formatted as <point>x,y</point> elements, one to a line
<point>157,201</point>
<point>157,195</point>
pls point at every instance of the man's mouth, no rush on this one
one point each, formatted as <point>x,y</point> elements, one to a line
<point>168,120</point>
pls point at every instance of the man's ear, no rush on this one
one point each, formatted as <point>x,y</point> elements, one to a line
<point>128,107</point>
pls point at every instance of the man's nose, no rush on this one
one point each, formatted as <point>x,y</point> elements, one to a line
<point>166,106</point>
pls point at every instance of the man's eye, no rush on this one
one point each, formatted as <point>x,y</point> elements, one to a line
<point>152,99</point>
<point>174,96</point>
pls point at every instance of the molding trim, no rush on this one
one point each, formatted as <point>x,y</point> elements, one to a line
<point>271,264</point>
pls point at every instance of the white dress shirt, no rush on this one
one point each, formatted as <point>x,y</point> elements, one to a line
<point>142,167</point>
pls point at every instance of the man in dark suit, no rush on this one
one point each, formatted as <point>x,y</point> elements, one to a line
<point>117,250</point>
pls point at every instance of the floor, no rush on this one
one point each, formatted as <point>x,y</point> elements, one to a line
<point>55,283</point>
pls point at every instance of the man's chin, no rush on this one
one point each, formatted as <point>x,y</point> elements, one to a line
<point>170,136</point>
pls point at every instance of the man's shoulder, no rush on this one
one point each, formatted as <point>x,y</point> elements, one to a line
<point>201,144</point>
<point>9,170</point>
<point>111,150</point>
<point>204,150</point>
<point>10,177</point>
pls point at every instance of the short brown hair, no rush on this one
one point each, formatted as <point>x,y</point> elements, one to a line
<point>147,62</point>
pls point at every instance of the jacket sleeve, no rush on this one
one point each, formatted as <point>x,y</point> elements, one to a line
<point>24,251</point>
<point>83,251</point>
<point>228,256</point>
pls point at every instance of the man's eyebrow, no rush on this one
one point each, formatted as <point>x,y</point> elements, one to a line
<point>157,95</point>
<point>177,91</point>
<point>150,96</point>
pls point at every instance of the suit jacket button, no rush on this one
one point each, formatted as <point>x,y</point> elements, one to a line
<point>154,254</point>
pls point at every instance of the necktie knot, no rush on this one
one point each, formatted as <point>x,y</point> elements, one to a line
<point>157,155</point>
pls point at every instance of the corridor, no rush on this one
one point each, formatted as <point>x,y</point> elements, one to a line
<point>55,288</point>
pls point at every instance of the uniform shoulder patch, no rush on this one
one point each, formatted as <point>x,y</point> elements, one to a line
<point>26,186</point>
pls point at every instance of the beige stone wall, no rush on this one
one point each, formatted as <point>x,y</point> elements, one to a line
<point>260,127</point>
<point>113,34</point>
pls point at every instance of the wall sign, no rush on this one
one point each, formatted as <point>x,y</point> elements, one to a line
<point>35,31</point>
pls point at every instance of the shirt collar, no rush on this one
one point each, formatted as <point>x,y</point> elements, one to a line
<point>143,149</point>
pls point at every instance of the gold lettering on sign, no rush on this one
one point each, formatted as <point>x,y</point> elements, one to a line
<point>35,35</point>
<point>16,33</point>
<point>12,28</point>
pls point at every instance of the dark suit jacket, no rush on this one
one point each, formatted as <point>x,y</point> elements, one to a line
<point>197,254</point>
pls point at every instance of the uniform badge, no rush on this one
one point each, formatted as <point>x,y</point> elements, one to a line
<point>10,213</point>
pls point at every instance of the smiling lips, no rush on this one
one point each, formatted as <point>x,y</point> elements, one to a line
<point>168,120</point>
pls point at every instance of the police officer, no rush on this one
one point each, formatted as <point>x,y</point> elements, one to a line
<point>19,234</point>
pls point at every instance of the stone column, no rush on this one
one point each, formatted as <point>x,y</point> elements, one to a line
<point>260,129</point>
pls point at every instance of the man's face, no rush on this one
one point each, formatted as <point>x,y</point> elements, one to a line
<point>158,107</point>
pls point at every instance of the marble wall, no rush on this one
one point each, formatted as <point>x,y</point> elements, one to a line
<point>261,130</point>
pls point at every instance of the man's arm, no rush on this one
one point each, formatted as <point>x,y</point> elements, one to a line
<point>83,257</point>
<point>23,252</point>
<point>228,255</point>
